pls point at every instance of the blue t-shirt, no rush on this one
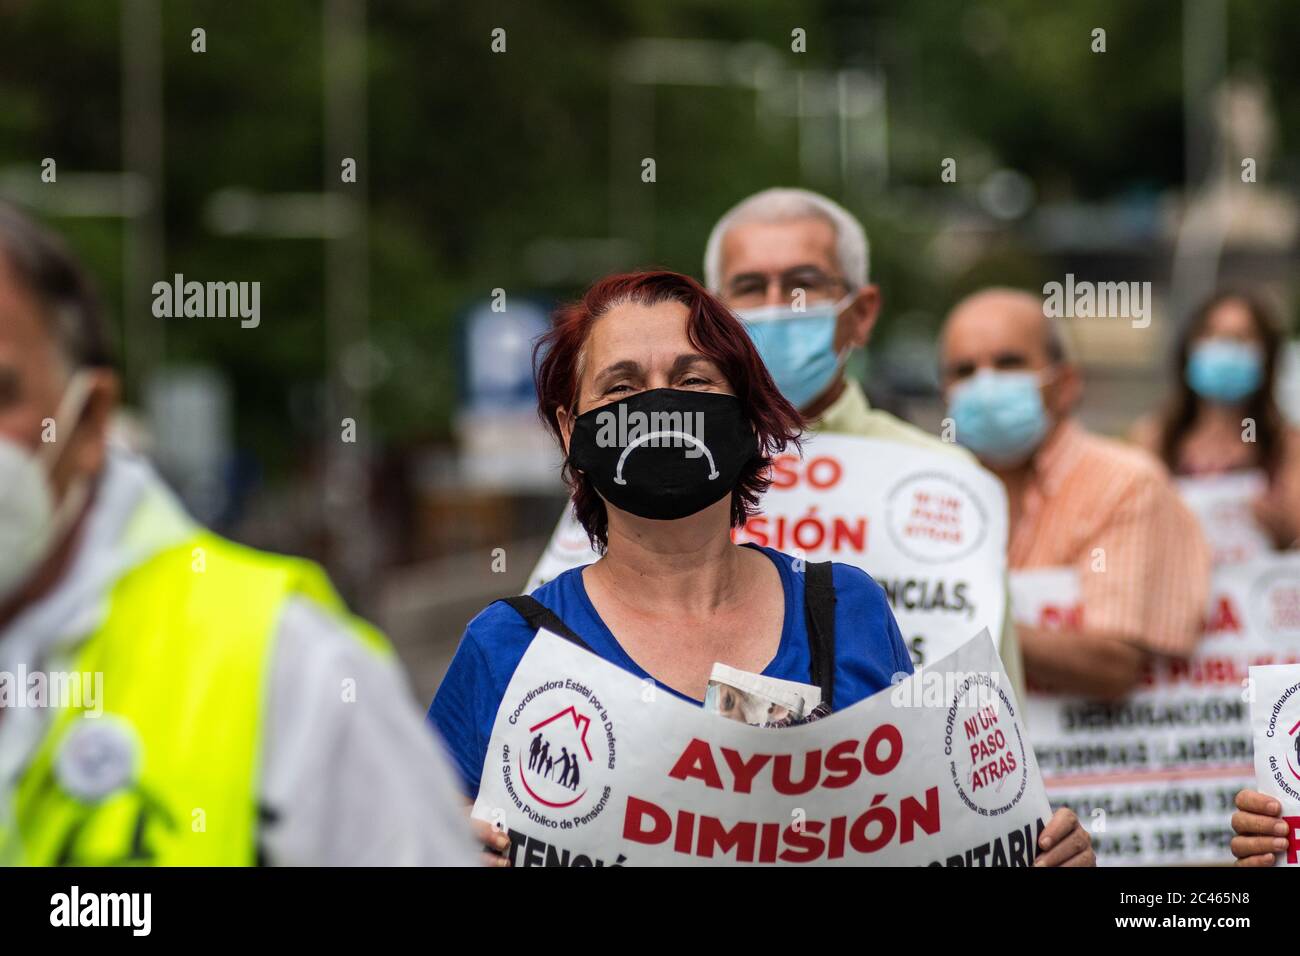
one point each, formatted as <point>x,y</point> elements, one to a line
<point>869,651</point>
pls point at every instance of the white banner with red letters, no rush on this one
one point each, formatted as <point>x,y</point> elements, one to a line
<point>1153,777</point>
<point>589,765</point>
<point>929,526</point>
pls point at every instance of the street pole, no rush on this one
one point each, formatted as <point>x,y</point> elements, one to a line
<point>347,510</point>
<point>143,260</point>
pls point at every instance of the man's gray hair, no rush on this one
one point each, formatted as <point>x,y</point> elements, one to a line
<point>782,205</point>
<point>46,266</point>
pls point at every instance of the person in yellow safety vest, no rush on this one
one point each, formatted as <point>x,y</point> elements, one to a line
<point>168,697</point>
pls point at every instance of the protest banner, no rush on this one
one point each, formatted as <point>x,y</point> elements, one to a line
<point>1223,506</point>
<point>1154,776</point>
<point>1275,721</point>
<point>929,526</point>
<point>589,765</point>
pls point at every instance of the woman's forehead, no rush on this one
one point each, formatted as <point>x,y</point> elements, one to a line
<point>647,334</point>
<point>1231,317</point>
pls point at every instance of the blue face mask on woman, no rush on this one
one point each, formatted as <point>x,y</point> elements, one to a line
<point>1224,371</point>
<point>999,416</point>
<point>798,347</point>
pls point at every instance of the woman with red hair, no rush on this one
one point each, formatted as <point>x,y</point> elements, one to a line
<point>672,594</point>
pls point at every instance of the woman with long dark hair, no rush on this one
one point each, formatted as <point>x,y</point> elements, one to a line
<point>1223,418</point>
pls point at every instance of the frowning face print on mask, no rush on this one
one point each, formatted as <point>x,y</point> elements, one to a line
<point>656,429</point>
<point>665,453</point>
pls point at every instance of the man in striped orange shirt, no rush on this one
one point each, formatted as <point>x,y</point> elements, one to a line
<point>1076,499</point>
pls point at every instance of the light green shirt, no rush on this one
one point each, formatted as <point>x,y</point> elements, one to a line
<point>852,414</point>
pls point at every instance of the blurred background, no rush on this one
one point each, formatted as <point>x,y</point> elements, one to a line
<point>380,418</point>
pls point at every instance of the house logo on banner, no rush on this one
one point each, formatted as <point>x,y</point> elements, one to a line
<point>987,752</point>
<point>556,760</point>
<point>934,518</point>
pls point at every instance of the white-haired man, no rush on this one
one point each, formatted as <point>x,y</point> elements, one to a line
<point>794,267</point>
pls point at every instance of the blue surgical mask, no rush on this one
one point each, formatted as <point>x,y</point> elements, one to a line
<point>999,416</point>
<point>1224,371</point>
<point>798,347</point>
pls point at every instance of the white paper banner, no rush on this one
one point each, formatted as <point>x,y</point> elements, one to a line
<point>1275,719</point>
<point>1222,504</point>
<point>930,527</point>
<point>591,766</point>
<point>1154,776</point>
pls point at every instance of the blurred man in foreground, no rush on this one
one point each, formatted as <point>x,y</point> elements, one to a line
<point>219,705</point>
<point>1076,499</point>
<point>793,266</point>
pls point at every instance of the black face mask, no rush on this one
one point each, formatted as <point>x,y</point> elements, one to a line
<point>665,453</point>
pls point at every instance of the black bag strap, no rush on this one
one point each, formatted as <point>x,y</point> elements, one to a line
<point>819,613</point>
<point>538,615</point>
